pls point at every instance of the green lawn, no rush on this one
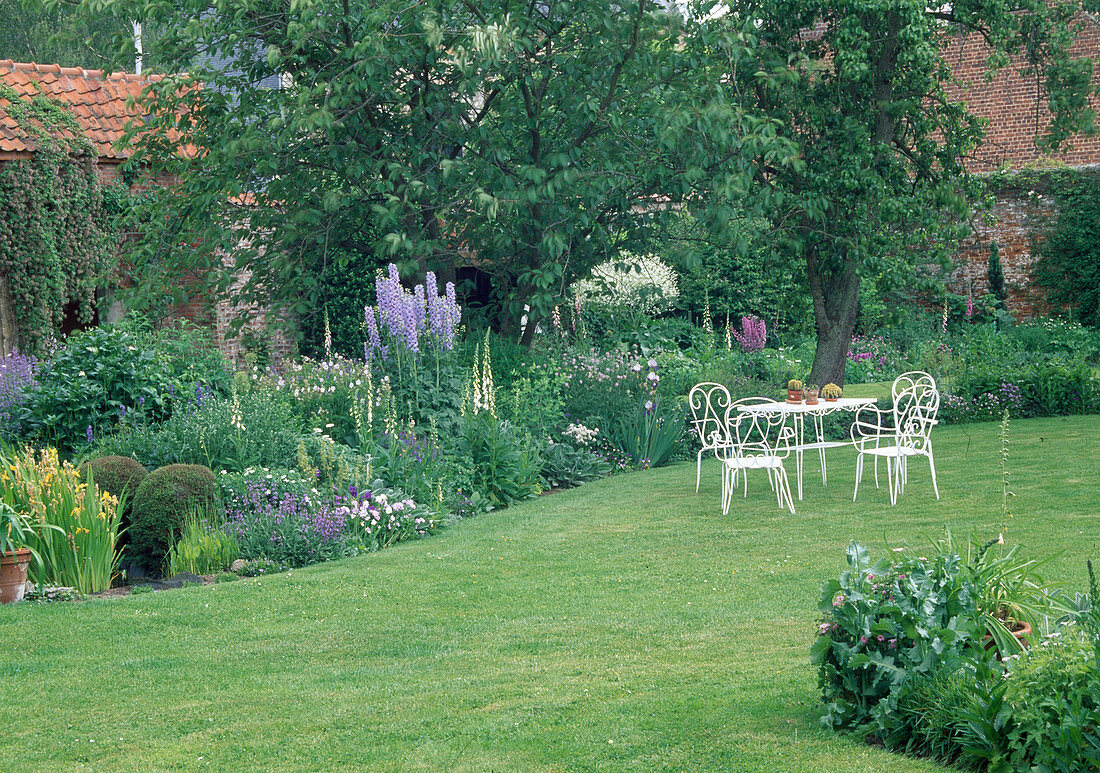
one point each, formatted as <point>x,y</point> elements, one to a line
<point>626,625</point>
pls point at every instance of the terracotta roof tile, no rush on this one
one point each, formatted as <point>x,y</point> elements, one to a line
<point>97,100</point>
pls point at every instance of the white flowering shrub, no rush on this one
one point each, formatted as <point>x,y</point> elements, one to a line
<point>642,283</point>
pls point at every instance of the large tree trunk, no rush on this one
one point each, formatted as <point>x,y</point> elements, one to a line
<point>836,307</point>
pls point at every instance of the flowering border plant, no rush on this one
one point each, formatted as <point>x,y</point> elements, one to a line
<point>379,517</point>
<point>882,622</point>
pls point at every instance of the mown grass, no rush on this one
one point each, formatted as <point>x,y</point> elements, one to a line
<point>625,625</point>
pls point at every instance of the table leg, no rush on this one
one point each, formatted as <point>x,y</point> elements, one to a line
<point>800,431</point>
<point>819,428</point>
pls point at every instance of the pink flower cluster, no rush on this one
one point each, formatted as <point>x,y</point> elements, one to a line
<point>753,334</point>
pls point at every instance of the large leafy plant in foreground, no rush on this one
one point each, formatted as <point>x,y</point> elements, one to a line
<point>884,621</point>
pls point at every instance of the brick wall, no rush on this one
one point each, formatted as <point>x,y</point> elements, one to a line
<point>1016,213</point>
<point>274,338</point>
<point>202,311</point>
<point>1013,107</point>
<point>1016,115</point>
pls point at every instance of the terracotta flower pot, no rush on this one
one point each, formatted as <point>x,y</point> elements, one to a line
<point>1022,631</point>
<point>794,395</point>
<point>811,396</point>
<point>13,575</point>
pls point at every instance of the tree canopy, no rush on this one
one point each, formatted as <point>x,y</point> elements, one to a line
<point>515,136</point>
<point>538,139</point>
<point>882,185</point>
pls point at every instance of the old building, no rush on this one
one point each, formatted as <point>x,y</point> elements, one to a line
<point>103,105</point>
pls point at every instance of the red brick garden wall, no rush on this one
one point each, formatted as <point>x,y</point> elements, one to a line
<point>1016,214</point>
<point>1016,115</point>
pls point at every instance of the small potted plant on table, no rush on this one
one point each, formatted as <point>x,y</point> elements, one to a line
<point>794,391</point>
<point>810,392</point>
<point>831,392</point>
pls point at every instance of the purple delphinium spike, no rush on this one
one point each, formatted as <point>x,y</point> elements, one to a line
<point>18,375</point>
<point>419,307</point>
<point>373,339</point>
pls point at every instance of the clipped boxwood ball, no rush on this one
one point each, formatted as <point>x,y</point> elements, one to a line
<point>117,475</point>
<point>161,505</point>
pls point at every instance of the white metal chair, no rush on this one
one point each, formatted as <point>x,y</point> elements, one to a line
<point>708,402</point>
<point>899,434</point>
<point>921,381</point>
<point>911,379</point>
<point>760,440</point>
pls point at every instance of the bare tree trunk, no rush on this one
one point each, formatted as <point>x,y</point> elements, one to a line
<point>528,336</point>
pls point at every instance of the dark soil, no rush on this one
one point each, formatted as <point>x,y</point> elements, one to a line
<point>170,583</point>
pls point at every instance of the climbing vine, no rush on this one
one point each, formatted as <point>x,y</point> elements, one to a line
<point>55,241</point>
<point>1069,245</point>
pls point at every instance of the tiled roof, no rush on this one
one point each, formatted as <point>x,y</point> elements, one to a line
<point>97,100</point>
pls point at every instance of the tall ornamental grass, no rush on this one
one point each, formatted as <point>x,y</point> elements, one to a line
<point>81,552</point>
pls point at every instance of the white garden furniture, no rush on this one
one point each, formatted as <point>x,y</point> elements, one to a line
<point>911,379</point>
<point>759,440</point>
<point>708,403</point>
<point>796,413</point>
<point>896,435</point>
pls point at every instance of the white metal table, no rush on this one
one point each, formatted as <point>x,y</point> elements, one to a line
<point>817,412</point>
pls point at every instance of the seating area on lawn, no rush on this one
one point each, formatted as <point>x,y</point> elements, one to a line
<point>623,625</point>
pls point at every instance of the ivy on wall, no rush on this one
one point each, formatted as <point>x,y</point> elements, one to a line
<point>1069,256</point>
<point>55,239</point>
<point>1067,241</point>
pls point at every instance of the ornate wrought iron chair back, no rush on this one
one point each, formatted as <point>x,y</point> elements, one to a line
<point>708,403</point>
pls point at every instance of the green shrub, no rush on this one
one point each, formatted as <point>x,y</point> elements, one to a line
<point>1069,256</point>
<point>746,276</point>
<point>93,382</point>
<point>117,475</point>
<point>414,460</point>
<point>223,433</point>
<point>162,504</point>
<point>944,714</point>
<point>346,285</point>
<point>503,463</point>
<point>325,394</point>
<point>1053,692</point>
<point>124,374</point>
<point>534,402</point>
<point>607,386</point>
<point>744,374</point>
<point>564,466</point>
<point>1052,387</point>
